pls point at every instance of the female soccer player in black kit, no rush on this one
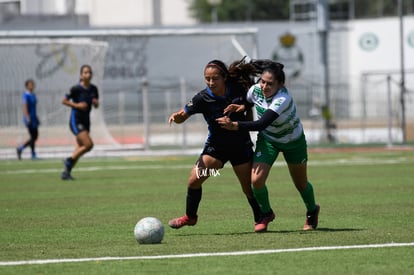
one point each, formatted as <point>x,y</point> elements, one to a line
<point>224,86</point>
<point>81,99</point>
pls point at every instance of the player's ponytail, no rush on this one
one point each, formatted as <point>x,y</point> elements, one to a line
<point>242,73</point>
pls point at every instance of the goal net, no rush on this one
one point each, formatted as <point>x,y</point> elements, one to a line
<point>54,66</point>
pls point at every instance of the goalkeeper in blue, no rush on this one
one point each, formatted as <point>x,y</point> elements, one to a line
<point>30,119</point>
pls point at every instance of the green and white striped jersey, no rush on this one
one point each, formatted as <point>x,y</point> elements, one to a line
<point>287,127</point>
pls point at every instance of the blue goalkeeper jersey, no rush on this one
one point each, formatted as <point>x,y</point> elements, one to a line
<point>29,99</point>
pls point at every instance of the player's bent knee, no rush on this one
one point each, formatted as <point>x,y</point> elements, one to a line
<point>89,146</point>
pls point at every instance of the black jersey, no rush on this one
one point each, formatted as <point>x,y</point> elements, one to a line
<point>77,94</point>
<point>212,107</point>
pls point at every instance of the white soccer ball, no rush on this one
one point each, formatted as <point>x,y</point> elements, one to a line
<point>149,230</point>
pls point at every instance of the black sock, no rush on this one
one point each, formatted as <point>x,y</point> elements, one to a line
<point>256,209</point>
<point>71,164</point>
<point>193,200</point>
<point>71,161</point>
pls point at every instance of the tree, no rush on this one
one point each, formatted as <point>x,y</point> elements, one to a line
<point>271,10</point>
<point>381,8</point>
<point>241,10</point>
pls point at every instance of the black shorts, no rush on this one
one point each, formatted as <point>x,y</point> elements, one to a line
<point>236,154</point>
<point>77,126</point>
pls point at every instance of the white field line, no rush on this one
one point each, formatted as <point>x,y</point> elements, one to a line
<point>361,161</point>
<point>213,254</point>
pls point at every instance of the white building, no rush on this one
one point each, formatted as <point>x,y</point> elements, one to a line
<point>107,12</point>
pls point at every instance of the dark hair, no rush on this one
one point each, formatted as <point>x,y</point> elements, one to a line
<point>218,64</point>
<point>267,65</point>
<point>85,66</point>
<point>28,81</point>
<point>239,72</point>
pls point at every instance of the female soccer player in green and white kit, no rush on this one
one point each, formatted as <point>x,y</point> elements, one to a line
<point>280,130</point>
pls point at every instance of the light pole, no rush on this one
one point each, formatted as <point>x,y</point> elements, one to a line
<point>214,4</point>
<point>323,30</point>
<point>402,84</point>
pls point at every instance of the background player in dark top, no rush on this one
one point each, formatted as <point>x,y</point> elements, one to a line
<point>30,119</point>
<point>224,86</point>
<point>81,99</point>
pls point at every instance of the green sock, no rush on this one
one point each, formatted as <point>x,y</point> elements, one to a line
<point>308,197</point>
<point>262,197</point>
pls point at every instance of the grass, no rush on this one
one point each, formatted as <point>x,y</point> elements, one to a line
<point>366,198</point>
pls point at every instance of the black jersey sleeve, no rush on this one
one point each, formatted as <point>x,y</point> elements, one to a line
<point>73,93</point>
<point>258,125</point>
<point>195,105</point>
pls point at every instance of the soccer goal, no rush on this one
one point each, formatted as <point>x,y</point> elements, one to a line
<point>54,65</point>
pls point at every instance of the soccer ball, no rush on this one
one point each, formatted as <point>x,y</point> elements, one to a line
<point>149,230</point>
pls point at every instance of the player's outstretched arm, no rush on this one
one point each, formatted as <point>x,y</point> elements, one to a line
<point>178,117</point>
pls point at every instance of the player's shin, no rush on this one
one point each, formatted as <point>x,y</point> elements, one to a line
<point>193,200</point>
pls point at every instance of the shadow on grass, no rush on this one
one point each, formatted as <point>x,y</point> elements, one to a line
<point>215,234</point>
<point>322,229</point>
<point>299,231</point>
<point>339,229</point>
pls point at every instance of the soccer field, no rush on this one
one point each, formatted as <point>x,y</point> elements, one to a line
<point>49,226</point>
